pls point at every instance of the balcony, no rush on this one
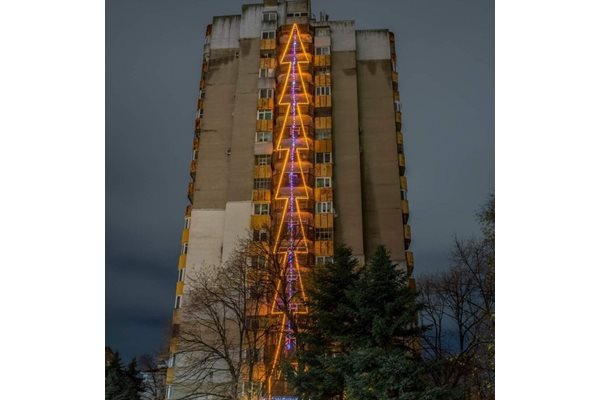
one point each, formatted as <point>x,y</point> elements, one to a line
<point>322,101</point>
<point>193,167</point>
<point>323,220</point>
<point>412,284</point>
<point>185,236</point>
<point>188,211</point>
<point>263,171</point>
<point>406,236</point>
<point>399,137</point>
<point>323,123</point>
<point>401,163</point>
<point>398,117</point>
<point>261,195</point>
<point>267,44</point>
<point>170,375</point>
<point>395,77</point>
<point>323,80</point>
<point>403,183</point>
<point>322,61</point>
<point>324,248</point>
<point>404,206</point>
<point>268,62</point>
<point>179,289</point>
<point>323,194</point>
<point>410,263</point>
<point>260,221</point>
<point>190,192</point>
<point>264,104</point>
<point>182,261</point>
<point>264,125</point>
<point>323,169</point>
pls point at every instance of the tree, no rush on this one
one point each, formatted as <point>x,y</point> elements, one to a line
<point>121,383</point>
<point>154,371</point>
<point>362,338</point>
<point>459,312</point>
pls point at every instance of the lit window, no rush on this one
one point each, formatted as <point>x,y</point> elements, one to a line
<point>181,275</point>
<point>262,159</point>
<point>184,248</point>
<point>264,115</point>
<point>262,183</point>
<point>322,134</point>
<point>265,93</point>
<point>177,302</point>
<point>324,207</point>
<point>258,261</point>
<point>323,157</point>
<point>323,51</point>
<point>323,90</point>
<point>324,233</point>
<point>268,35</point>
<point>323,260</point>
<point>323,182</point>
<point>262,137</point>
<point>269,16</point>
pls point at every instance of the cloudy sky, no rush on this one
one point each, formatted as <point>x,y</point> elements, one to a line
<point>153,58</point>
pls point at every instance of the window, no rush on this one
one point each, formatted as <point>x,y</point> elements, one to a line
<point>321,32</point>
<point>323,51</point>
<point>397,106</point>
<point>324,233</point>
<point>267,54</point>
<point>200,113</point>
<point>322,71</point>
<point>266,73</point>
<point>177,302</point>
<point>323,91</point>
<point>171,362</point>
<point>268,35</point>
<point>403,195</point>
<point>297,14</point>
<point>184,248</point>
<point>262,159</point>
<point>261,208</point>
<point>169,391</point>
<point>262,183</point>
<point>262,137</point>
<point>181,275</point>
<point>188,221</point>
<point>269,16</point>
<point>258,261</point>
<point>260,235</point>
<point>323,182</point>
<point>322,134</point>
<point>195,155</point>
<point>264,115</point>
<point>324,207</point>
<point>323,260</point>
<point>323,157</point>
<point>201,94</point>
<point>265,93</point>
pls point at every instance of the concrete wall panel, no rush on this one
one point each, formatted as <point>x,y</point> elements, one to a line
<point>225,32</point>
<point>373,45</point>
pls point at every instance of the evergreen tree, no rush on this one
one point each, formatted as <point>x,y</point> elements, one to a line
<point>121,383</point>
<point>361,341</point>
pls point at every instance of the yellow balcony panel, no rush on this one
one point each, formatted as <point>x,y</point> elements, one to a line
<point>323,80</point>
<point>182,261</point>
<point>267,44</point>
<point>404,183</point>
<point>323,101</point>
<point>262,171</point>
<point>412,284</point>
<point>324,220</point>
<point>395,77</point>
<point>261,195</point>
<point>173,345</point>
<point>263,104</point>
<point>404,206</point>
<point>323,146</point>
<point>399,137</point>
<point>410,262</point>
<point>185,236</point>
<point>268,63</point>
<point>396,96</point>
<point>323,194</point>
<point>260,221</point>
<point>264,125</point>
<point>322,61</point>
<point>324,248</point>
<point>323,123</point>
<point>170,375</point>
<point>176,316</point>
<point>401,161</point>
<point>323,169</point>
<point>406,236</point>
<point>398,116</point>
<point>193,167</point>
<point>179,289</point>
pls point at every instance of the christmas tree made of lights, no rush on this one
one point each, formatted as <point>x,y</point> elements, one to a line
<point>291,197</point>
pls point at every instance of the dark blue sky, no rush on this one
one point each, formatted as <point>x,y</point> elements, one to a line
<point>153,58</point>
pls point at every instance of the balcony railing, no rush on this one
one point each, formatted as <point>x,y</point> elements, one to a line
<point>404,206</point>
<point>406,236</point>
<point>410,263</point>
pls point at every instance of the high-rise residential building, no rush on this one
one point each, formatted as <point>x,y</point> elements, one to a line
<point>298,135</point>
